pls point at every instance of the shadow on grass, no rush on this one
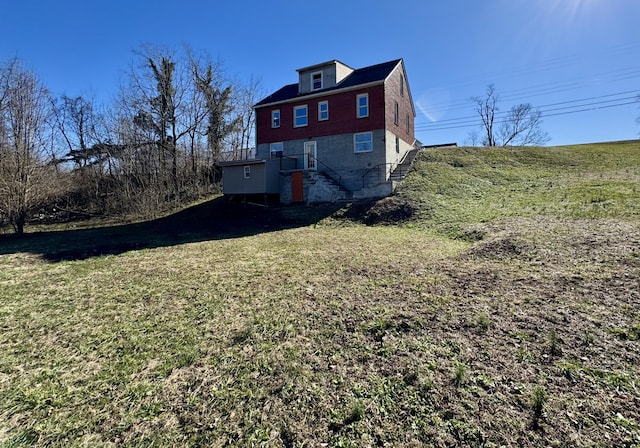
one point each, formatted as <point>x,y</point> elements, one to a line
<point>212,220</point>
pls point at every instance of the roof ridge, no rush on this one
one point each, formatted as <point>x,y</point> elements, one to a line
<point>392,61</point>
<point>360,76</point>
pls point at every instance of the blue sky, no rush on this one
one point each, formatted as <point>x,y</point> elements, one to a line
<point>563,56</point>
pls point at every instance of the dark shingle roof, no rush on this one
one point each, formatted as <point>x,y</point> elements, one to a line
<point>365,75</point>
<point>285,93</point>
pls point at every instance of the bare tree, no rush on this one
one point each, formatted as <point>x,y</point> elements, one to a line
<point>158,94</point>
<point>26,173</point>
<point>520,126</point>
<point>473,138</point>
<point>81,128</point>
<point>201,154</point>
<point>219,107</point>
<point>486,107</point>
<point>177,123</point>
<point>242,137</point>
<point>164,107</point>
<point>155,145</point>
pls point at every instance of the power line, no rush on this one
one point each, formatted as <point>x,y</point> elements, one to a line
<point>523,94</point>
<point>546,88</point>
<point>619,50</point>
<point>577,109</point>
<point>591,108</point>
<point>543,106</point>
<point>544,112</point>
<point>453,123</point>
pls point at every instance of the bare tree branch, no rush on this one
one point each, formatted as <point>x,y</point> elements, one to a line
<point>26,174</point>
<point>520,126</point>
<point>486,107</point>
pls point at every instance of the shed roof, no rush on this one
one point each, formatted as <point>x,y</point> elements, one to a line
<point>322,64</point>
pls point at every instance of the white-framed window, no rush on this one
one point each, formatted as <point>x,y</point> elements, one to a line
<point>362,105</point>
<point>323,110</point>
<point>275,149</point>
<point>363,142</point>
<point>300,116</point>
<point>316,81</point>
<point>396,112</point>
<point>247,171</point>
<point>275,118</point>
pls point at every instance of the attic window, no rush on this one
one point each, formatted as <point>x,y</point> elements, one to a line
<point>316,81</point>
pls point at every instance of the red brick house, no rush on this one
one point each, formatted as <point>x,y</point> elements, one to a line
<point>338,133</point>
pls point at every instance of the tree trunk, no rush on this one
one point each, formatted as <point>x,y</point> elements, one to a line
<point>18,222</point>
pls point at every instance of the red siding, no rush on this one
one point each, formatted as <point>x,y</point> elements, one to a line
<point>342,117</point>
<point>405,107</point>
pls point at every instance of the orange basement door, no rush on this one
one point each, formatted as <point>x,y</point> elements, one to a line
<point>297,194</point>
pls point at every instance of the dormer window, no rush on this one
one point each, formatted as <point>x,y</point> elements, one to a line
<point>316,81</point>
<point>322,76</point>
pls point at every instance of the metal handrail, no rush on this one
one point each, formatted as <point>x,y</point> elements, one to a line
<point>392,167</point>
<point>377,169</point>
<point>320,162</point>
<point>401,171</point>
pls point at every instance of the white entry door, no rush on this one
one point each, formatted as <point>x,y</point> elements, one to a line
<point>309,155</point>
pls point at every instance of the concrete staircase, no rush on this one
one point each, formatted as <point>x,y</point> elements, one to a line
<point>403,168</point>
<point>322,188</point>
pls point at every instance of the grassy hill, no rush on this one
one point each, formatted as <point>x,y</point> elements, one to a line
<point>492,302</point>
<point>460,186</point>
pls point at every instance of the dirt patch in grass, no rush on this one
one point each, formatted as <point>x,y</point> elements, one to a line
<point>541,310</point>
<point>389,210</point>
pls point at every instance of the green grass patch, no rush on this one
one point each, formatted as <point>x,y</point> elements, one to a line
<point>461,186</point>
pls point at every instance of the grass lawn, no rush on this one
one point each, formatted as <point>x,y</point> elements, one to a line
<point>503,309</point>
